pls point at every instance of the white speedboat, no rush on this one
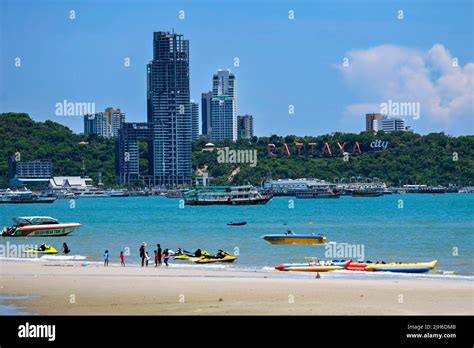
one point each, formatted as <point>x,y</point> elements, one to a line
<point>39,226</point>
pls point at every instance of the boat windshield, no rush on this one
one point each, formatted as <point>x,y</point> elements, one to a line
<point>35,220</point>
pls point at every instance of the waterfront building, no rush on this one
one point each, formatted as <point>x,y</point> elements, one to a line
<point>206,113</point>
<point>224,106</point>
<point>41,168</point>
<point>195,120</point>
<point>106,123</point>
<point>245,126</point>
<point>169,110</point>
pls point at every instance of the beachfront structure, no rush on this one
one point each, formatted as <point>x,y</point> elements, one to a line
<point>70,182</point>
<point>106,123</point>
<point>206,113</point>
<point>224,106</point>
<point>169,110</point>
<point>195,120</point>
<point>245,127</point>
<point>34,173</point>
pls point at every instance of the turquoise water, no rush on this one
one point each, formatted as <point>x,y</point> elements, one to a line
<point>428,227</point>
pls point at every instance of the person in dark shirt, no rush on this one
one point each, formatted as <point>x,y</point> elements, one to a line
<point>142,253</point>
<point>158,255</point>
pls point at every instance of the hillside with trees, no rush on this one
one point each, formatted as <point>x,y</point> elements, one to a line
<point>408,158</point>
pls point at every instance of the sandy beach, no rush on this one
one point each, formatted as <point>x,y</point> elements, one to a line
<point>68,290</point>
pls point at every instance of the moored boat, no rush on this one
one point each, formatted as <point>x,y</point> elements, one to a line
<point>317,194</point>
<point>38,226</point>
<point>225,195</point>
<point>292,238</point>
<point>23,197</point>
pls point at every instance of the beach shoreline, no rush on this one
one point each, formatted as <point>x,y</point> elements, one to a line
<point>70,289</point>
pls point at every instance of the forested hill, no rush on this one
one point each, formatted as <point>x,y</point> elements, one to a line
<point>407,158</point>
<point>392,157</point>
<point>51,140</point>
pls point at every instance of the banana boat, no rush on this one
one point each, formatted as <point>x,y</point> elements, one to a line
<point>321,266</point>
<point>412,267</point>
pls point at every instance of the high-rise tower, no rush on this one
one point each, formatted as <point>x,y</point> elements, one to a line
<point>169,109</point>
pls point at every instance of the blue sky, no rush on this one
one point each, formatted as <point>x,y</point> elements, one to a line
<point>282,62</point>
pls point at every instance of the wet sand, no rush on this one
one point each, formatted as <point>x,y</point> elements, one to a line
<point>69,290</point>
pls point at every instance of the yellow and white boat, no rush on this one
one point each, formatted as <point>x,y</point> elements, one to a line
<point>411,267</point>
<point>292,238</point>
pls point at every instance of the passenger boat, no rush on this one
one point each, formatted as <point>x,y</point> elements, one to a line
<point>38,226</point>
<point>292,238</point>
<point>411,267</point>
<point>22,197</point>
<point>319,266</point>
<point>225,195</point>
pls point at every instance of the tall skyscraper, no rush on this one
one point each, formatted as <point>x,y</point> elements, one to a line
<point>206,113</point>
<point>224,106</point>
<point>245,126</point>
<point>106,123</point>
<point>169,109</point>
<point>195,120</point>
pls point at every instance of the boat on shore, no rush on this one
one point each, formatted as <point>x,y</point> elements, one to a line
<point>23,197</point>
<point>225,195</point>
<point>39,226</point>
<point>291,238</point>
<point>315,266</point>
<point>410,267</point>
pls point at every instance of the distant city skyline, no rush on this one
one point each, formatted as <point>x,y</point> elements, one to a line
<point>331,65</point>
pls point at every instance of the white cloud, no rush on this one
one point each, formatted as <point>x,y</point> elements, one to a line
<point>389,72</point>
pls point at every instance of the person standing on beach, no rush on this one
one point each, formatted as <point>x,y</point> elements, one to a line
<point>158,255</point>
<point>166,256</point>
<point>106,258</point>
<point>142,253</point>
<point>122,259</point>
<point>147,258</point>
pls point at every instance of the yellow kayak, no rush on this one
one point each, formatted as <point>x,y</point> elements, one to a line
<point>44,249</point>
<point>413,267</point>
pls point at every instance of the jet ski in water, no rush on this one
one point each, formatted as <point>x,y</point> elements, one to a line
<point>221,256</point>
<point>183,254</point>
<point>42,249</point>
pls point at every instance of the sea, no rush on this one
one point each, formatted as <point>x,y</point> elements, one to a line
<point>391,228</point>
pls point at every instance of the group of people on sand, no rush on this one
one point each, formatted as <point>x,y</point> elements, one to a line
<point>161,256</point>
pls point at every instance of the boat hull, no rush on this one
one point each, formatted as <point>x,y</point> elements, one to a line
<point>29,201</point>
<point>308,267</point>
<point>263,200</point>
<point>283,239</point>
<point>45,230</point>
